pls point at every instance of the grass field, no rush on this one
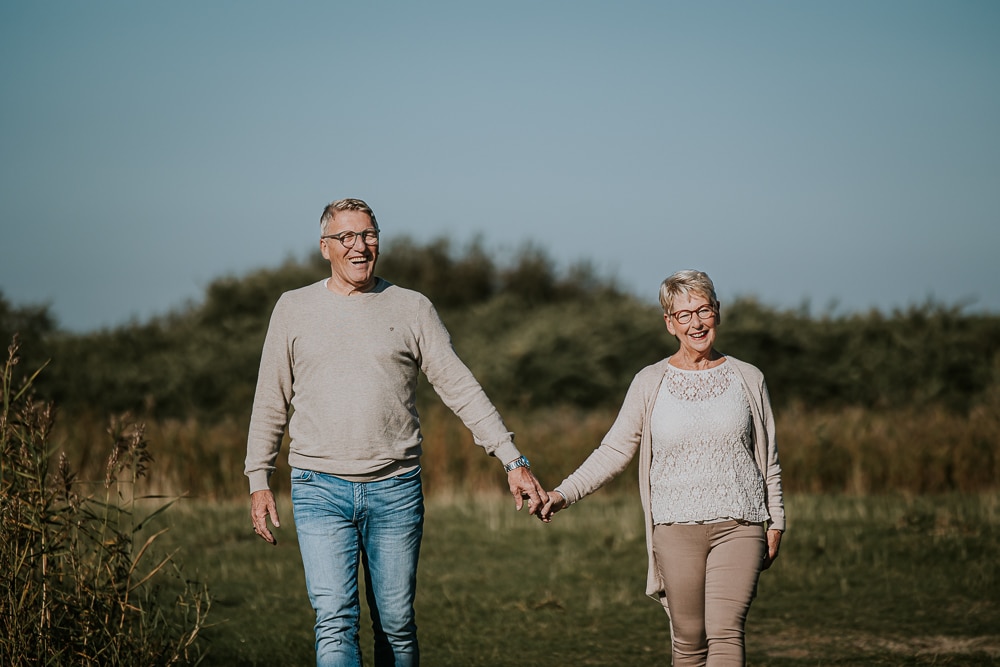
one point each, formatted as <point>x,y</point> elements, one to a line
<point>860,581</point>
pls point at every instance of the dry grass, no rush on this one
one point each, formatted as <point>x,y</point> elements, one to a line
<point>859,451</point>
<point>850,450</point>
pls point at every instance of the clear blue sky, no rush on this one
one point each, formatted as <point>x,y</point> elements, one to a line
<point>832,153</point>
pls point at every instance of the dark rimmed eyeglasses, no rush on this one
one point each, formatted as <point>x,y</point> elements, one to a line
<point>348,239</point>
<point>684,316</point>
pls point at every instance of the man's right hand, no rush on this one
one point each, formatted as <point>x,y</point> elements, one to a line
<point>262,506</point>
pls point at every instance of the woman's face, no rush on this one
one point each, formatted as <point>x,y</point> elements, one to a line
<point>697,335</point>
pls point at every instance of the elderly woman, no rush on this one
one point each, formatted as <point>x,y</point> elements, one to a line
<point>709,478</point>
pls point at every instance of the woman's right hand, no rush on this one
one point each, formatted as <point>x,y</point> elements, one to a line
<point>557,502</point>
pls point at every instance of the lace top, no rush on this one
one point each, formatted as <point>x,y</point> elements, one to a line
<point>702,469</point>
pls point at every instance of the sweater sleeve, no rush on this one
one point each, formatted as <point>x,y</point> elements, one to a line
<point>615,452</point>
<point>765,442</point>
<point>458,388</point>
<point>271,401</point>
<point>772,466</point>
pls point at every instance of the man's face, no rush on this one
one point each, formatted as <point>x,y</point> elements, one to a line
<point>351,269</point>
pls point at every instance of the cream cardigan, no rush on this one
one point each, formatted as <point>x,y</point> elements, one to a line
<point>630,433</point>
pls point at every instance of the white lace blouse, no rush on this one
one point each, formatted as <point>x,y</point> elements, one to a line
<point>703,469</point>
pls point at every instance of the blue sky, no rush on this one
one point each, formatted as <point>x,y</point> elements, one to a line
<point>842,154</point>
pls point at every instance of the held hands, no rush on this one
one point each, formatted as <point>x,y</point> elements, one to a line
<point>261,507</point>
<point>557,502</point>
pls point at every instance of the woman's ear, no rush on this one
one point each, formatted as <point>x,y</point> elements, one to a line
<point>670,324</point>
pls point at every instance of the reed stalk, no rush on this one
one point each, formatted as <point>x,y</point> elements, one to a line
<point>78,590</point>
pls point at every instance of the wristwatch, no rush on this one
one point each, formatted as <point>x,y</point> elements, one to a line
<point>519,462</point>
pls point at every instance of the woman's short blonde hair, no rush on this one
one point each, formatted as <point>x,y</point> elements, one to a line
<point>688,281</point>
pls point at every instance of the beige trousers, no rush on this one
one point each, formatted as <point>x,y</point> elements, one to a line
<point>710,575</point>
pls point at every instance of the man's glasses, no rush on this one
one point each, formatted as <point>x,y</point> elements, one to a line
<point>684,316</point>
<point>347,239</point>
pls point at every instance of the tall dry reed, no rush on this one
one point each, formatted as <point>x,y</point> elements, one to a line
<point>80,575</point>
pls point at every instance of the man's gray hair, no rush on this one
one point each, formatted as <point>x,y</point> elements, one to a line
<point>688,281</point>
<point>335,207</point>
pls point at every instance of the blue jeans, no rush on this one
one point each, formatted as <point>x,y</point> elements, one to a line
<point>380,524</point>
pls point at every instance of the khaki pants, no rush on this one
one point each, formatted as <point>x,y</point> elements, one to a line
<point>710,574</point>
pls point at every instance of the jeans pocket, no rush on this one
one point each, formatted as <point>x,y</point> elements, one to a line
<point>300,475</point>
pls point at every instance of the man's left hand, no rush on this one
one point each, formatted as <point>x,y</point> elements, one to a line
<point>524,486</point>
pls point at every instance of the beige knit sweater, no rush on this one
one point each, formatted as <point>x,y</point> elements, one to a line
<point>347,367</point>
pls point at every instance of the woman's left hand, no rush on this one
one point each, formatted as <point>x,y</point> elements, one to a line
<point>773,544</point>
<point>556,503</point>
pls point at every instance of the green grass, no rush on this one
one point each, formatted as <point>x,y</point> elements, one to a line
<point>860,581</point>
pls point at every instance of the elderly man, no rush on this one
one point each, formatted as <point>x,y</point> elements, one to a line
<point>345,353</point>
